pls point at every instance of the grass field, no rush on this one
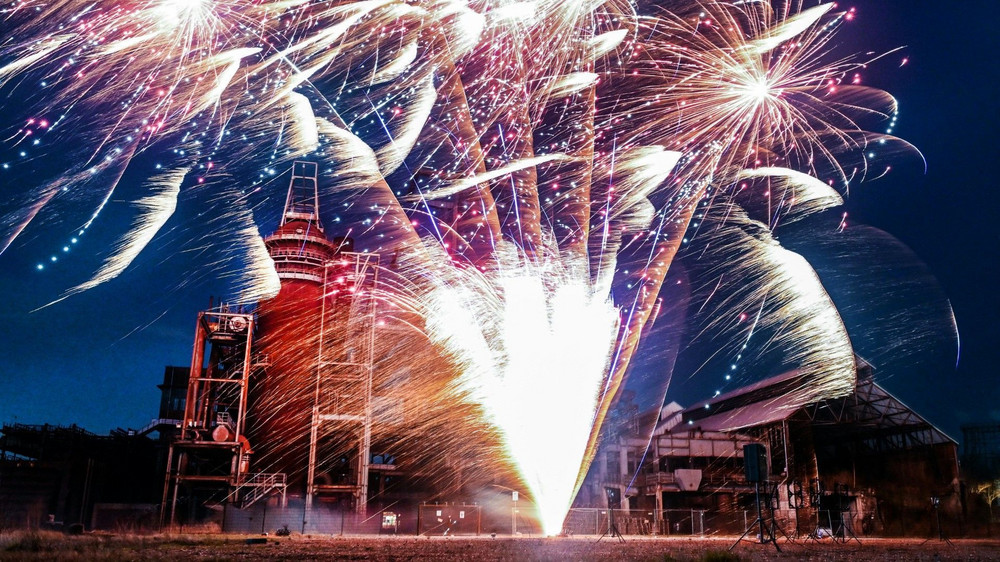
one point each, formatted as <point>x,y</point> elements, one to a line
<point>42,545</point>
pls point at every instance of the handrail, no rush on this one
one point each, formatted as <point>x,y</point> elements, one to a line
<point>259,484</point>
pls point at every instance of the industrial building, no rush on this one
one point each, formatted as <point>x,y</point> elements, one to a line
<point>861,464</point>
<point>57,477</point>
<point>981,451</point>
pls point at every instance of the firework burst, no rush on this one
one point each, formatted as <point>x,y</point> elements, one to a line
<point>535,165</point>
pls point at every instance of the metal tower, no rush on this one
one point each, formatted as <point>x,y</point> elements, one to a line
<point>310,409</point>
<point>286,392</point>
<point>302,201</point>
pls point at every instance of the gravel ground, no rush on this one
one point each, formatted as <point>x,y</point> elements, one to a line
<point>300,549</point>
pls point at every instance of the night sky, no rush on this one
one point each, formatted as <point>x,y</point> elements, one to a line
<point>948,216</point>
<point>94,359</point>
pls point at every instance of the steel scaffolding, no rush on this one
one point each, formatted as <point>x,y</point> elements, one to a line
<point>342,403</point>
<point>211,452</point>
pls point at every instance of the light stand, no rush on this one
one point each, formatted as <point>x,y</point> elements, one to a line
<point>843,532</point>
<point>816,503</point>
<point>936,505</point>
<point>612,529</point>
<point>795,503</point>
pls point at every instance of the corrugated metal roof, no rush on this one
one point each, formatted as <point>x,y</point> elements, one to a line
<point>752,415</point>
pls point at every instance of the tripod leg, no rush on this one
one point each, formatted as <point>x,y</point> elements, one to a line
<point>770,532</point>
<point>615,532</point>
<point>761,525</point>
<point>850,531</point>
<point>776,527</point>
<point>745,533</point>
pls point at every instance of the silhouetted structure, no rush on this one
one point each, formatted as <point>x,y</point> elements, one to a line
<point>861,463</point>
<point>54,475</point>
<point>981,451</point>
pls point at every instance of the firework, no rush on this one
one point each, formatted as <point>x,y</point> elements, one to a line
<point>532,167</point>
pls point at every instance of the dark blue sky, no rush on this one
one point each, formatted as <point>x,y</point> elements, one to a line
<point>949,216</point>
<point>95,358</point>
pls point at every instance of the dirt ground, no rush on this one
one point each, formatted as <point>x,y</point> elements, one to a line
<point>49,546</point>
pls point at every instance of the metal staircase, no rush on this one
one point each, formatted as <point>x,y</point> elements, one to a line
<point>253,487</point>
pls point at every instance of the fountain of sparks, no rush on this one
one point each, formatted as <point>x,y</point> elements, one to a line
<point>533,342</point>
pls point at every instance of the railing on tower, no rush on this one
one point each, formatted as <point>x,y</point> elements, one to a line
<point>302,201</point>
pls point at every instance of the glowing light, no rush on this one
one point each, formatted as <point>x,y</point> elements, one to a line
<point>759,90</point>
<point>522,333</point>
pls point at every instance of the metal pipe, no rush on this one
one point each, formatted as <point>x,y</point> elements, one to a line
<point>314,423</point>
<point>166,485</point>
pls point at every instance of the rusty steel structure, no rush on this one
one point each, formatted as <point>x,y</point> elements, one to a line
<point>342,399</point>
<point>212,452</point>
<point>288,333</point>
<point>280,398</point>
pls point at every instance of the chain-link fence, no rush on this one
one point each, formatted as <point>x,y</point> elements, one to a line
<point>300,519</point>
<point>597,521</point>
<point>687,522</point>
<point>727,522</point>
<point>473,519</point>
<point>449,519</point>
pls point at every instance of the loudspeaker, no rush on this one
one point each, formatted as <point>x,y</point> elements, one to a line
<point>614,498</point>
<point>755,462</point>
